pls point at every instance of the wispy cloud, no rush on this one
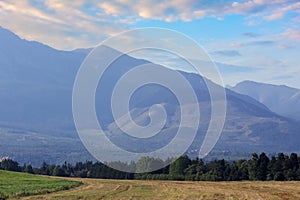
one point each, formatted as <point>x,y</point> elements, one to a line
<point>255,43</point>
<point>230,68</point>
<point>282,77</point>
<point>261,43</point>
<point>290,33</point>
<point>187,10</point>
<point>85,22</point>
<point>229,53</point>
<point>251,35</point>
<point>281,11</point>
<point>61,24</point>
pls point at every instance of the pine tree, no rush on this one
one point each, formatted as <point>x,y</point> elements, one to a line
<point>178,166</point>
<point>262,167</point>
<point>252,167</point>
<point>28,169</point>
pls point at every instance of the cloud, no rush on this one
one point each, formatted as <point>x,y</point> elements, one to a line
<point>255,43</point>
<point>251,35</point>
<point>229,53</point>
<point>285,40</point>
<point>60,24</point>
<point>248,7</point>
<point>281,11</point>
<point>92,21</point>
<point>230,68</point>
<point>282,77</point>
<point>274,16</point>
<point>259,11</point>
<point>27,11</point>
<point>261,43</point>
<point>255,6</point>
<point>187,10</point>
<point>291,34</point>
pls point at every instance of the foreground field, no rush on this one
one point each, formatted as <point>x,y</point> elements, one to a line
<point>116,189</point>
<point>14,184</point>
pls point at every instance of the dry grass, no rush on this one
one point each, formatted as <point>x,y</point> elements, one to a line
<point>117,189</point>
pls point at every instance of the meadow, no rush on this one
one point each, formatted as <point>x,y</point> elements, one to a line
<point>16,184</point>
<point>26,186</point>
<point>138,189</point>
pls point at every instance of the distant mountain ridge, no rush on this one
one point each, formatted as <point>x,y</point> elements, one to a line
<point>281,99</point>
<point>36,83</point>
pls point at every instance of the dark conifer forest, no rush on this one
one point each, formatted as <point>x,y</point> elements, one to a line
<point>259,168</point>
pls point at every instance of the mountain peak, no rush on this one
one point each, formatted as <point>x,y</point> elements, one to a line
<point>83,50</point>
<point>254,83</point>
<point>281,99</point>
<point>7,34</point>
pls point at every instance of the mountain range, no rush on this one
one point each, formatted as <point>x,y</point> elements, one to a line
<point>281,99</point>
<point>36,83</point>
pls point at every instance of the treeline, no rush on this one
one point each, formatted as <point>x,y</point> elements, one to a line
<point>260,167</point>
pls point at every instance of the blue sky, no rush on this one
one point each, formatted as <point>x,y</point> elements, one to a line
<point>252,39</point>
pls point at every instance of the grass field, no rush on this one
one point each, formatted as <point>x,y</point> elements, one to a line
<point>26,186</point>
<point>14,184</point>
<point>123,189</point>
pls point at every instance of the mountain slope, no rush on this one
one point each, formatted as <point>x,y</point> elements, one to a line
<point>36,84</point>
<point>280,99</point>
<point>36,94</point>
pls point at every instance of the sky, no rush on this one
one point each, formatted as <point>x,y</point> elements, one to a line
<point>255,40</point>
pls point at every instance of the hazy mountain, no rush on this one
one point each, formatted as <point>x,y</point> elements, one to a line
<point>281,99</point>
<point>36,83</point>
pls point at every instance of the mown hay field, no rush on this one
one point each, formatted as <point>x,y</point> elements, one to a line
<point>136,189</point>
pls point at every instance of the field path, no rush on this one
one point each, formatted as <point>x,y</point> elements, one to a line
<point>135,189</point>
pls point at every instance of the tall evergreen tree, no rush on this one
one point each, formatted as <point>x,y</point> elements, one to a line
<point>178,166</point>
<point>262,167</point>
<point>252,167</point>
<point>29,169</point>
